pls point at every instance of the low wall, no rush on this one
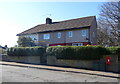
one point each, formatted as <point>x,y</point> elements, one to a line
<point>51,60</point>
<point>115,64</point>
<point>87,64</point>
<point>25,59</point>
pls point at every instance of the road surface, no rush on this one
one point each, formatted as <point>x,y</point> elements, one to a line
<point>26,74</point>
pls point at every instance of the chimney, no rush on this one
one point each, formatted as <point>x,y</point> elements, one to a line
<point>48,21</point>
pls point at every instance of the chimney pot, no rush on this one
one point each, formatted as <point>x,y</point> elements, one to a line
<point>48,21</point>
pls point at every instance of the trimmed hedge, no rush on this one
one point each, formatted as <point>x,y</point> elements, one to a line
<point>77,52</point>
<point>66,52</point>
<point>114,50</point>
<point>25,51</point>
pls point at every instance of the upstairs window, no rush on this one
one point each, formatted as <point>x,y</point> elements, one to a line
<point>84,32</point>
<point>46,36</point>
<point>70,34</point>
<point>59,35</point>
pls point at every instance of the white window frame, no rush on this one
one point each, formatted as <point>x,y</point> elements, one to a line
<point>59,35</point>
<point>46,36</point>
<point>70,33</point>
<point>77,44</point>
<point>74,44</point>
<point>84,32</point>
<point>80,44</point>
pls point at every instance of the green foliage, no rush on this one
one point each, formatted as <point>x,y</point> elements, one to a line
<point>114,50</point>
<point>66,52</point>
<point>26,51</point>
<point>77,52</point>
<point>25,42</point>
<point>2,51</point>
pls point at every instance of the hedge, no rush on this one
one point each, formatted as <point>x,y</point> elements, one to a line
<point>77,52</point>
<point>114,50</point>
<point>66,52</point>
<point>25,51</point>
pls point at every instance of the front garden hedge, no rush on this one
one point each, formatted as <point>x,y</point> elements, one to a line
<point>77,52</point>
<point>114,50</point>
<point>25,51</point>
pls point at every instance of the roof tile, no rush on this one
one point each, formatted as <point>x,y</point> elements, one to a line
<point>62,25</point>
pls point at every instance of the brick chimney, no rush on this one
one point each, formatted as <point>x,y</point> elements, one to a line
<point>48,21</point>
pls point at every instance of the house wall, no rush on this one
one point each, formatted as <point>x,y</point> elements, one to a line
<point>93,32</point>
<point>76,37</point>
<point>65,39</point>
<point>23,59</point>
<point>53,38</point>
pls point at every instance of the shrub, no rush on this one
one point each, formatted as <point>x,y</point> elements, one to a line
<point>2,51</point>
<point>114,50</point>
<point>77,52</point>
<point>26,51</point>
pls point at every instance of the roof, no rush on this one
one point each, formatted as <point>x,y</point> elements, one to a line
<point>62,25</point>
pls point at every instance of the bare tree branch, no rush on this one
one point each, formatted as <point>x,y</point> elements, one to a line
<point>108,24</point>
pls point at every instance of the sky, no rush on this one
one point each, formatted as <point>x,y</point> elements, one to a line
<point>16,17</point>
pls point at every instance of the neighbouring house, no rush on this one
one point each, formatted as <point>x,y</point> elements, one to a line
<point>73,32</point>
<point>3,47</point>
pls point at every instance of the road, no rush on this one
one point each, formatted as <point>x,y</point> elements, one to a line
<point>26,74</point>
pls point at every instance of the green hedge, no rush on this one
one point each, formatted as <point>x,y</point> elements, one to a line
<point>77,52</point>
<point>114,50</point>
<point>25,51</point>
<point>66,52</point>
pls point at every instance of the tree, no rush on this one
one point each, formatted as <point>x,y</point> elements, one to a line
<point>25,42</point>
<point>108,21</point>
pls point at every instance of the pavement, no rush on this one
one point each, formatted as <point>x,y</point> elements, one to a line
<point>74,70</point>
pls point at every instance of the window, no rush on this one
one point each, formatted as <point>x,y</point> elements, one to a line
<point>70,34</point>
<point>80,44</point>
<point>46,36</point>
<point>74,44</point>
<point>84,32</point>
<point>59,35</point>
<point>77,44</point>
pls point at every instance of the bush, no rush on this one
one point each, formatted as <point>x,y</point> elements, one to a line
<point>2,51</point>
<point>26,51</point>
<point>114,50</point>
<point>77,52</point>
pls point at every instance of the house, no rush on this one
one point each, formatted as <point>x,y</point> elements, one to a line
<point>73,32</point>
<point>3,47</point>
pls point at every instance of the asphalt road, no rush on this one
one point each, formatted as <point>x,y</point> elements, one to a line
<point>25,74</point>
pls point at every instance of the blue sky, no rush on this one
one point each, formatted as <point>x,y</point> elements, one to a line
<point>16,17</point>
